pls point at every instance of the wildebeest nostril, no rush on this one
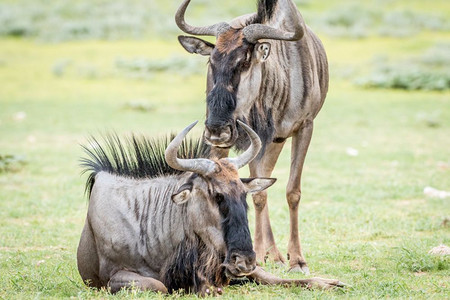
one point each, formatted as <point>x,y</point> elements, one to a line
<point>207,133</point>
<point>218,134</point>
<point>242,264</point>
<point>225,135</point>
<point>242,267</point>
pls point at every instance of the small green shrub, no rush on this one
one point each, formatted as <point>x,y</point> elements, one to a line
<point>405,23</point>
<point>430,72</point>
<point>407,79</point>
<point>346,21</point>
<point>59,68</point>
<point>10,162</point>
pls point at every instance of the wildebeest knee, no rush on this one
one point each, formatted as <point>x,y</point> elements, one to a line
<point>293,198</point>
<point>259,200</point>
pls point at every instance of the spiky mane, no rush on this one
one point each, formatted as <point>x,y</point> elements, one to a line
<point>135,156</point>
<point>266,9</point>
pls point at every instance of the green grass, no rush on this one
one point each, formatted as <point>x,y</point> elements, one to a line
<point>363,219</point>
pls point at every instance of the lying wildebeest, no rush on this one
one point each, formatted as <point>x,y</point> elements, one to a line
<point>271,71</point>
<point>167,226</point>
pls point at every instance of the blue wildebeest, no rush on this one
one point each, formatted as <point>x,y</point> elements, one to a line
<point>269,70</point>
<point>163,223</point>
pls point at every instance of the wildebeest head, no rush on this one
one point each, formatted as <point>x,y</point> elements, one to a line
<point>235,66</point>
<point>217,183</point>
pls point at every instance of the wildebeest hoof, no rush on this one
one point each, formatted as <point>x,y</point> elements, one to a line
<point>298,265</point>
<point>211,291</point>
<point>276,257</point>
<point>299,269</point>
<point>280,264</point>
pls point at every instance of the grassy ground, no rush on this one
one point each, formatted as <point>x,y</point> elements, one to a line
<point>364,219</point>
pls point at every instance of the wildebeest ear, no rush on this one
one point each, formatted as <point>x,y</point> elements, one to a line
<point>253,185</point>
<point>196,45</point>
<point>262,51</point>
<point>183,194</point>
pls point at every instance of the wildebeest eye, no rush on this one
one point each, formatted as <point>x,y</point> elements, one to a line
<point>248,61</point>
<point>219,198</point>
<point>222,203</point>
<point>246,64</point>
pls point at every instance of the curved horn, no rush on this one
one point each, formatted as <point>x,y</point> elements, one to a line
<point>212,30</point>
<point>242,21</point>
<point>255,32</point>
<point>251,152</point>
<point>201,166</point>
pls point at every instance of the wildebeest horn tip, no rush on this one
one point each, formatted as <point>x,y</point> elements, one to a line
<point>198,165</point>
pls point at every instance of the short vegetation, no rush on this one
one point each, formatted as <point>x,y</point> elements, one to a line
<point>71,69</point>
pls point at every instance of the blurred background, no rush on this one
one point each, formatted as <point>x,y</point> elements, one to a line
<point>69,69</point>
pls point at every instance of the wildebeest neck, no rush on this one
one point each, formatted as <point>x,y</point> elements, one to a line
<point>190,263</point>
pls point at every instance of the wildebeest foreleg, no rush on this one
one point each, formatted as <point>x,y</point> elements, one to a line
<point>262,277</point>
<point>87,257</point>
<point>127,279</point>
<point>300,144</point>
<point>264,242</point>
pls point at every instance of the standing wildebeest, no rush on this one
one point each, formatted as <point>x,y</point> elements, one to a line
<point>269,70</point>
<point>165,229</point>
